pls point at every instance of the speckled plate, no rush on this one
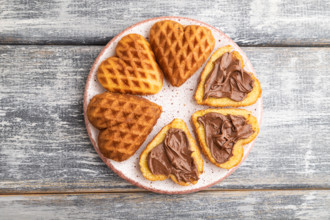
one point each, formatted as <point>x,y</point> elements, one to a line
<point>176,103</point>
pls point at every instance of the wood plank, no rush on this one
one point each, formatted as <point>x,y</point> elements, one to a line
<point>210,205</point>
<point>247,22</point>
<point>44,145</point>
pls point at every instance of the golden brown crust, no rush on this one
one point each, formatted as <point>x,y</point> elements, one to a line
<point>238,150</point>
<point>251,98</point>
<point>126,121</point>
<point>133,70</point>
<point>180,51</point>
<point>159,138</point>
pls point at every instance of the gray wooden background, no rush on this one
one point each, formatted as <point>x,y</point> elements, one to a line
<point>48,167</point>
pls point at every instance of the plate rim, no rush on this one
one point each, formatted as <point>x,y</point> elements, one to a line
<point>88,125</point>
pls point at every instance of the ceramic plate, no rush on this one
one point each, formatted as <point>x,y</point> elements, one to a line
<point>177,102</point>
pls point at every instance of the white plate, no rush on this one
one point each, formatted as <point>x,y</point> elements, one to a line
<point>177,102</point>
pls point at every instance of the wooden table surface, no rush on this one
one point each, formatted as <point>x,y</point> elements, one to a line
<point>48,167</point>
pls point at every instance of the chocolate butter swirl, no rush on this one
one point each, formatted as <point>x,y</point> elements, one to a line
<point>228,79</point>
<point>173,156</point>
<point>222,132</point>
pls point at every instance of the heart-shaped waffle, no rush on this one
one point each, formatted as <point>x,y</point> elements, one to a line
<point>237,151</point>
<point>158,139</point>
<point>251,98</point>
<point>133,70</point>
<point>180,51</point>
<point>125,122</point>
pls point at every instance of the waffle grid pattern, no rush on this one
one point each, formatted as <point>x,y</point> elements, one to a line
<point>134,71</point>
<point>180,51</point>
<point>126,121</point>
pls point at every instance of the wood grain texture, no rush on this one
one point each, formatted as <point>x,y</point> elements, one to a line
<point>204,205</point>
<point>44,145</point>
<point>247,22</point>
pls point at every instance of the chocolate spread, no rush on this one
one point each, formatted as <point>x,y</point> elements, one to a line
<point>228,79</point>
<point>222,132</point>
<point>173,156</point>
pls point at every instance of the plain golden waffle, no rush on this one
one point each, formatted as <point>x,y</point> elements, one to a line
<point>180,51</point>
<point>133,70</point>
<point>159,138</point>
<point>251,98</point>
<point>125,120</point>
<point>238,150</point>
